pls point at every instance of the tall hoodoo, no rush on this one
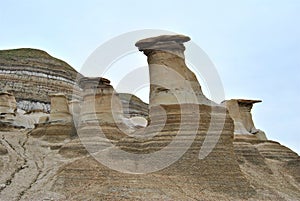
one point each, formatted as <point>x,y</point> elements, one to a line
<point>178,106</point>
<point>191,148</point>
<point>171,82</point>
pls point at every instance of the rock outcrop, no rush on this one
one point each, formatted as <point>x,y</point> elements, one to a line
<point>101,103</point>
<point>8,104</point>
<point>59,126</point>
<point>32,74</point>
<point>170,79</point>
<point>188,148</point>
<point>240,112</point>
<point>59,109</point>
<point>179,123</point>
<point>133,106</point>
<point>11,117</point>
<point>8,109</point>
<point>100,111</point>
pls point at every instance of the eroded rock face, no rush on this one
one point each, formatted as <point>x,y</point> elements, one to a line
<point>46,74</point>
<point>269,166</point>
<point>100,111</point>
<point>133,106</point>
<point>74,108</point>
<point>59,126</point>
<point>240,111</point>
<point>8,104</point>
<point>32,106</point>
<point>217,165</point>
<point>100,102</point>
<point>8,109</point>
<point>3,150</point>
<point>206,163</point>
<point>59,109</point>
<point>11,117</point>
<point>172,113</point>
<point>171,82</point>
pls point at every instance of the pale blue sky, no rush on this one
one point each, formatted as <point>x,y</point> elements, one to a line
<point>255,44</point>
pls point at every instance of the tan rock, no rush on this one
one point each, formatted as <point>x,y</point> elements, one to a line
<point>133,106</point>
<point>3,150</point>
<point>179,113</point>
<point>171,82</point>
<point>59,109</point>
<point>101,103</point>
<point>240,167</point>
<point>32,74</point>
<point>8,104</point>
<point>240,112</point>
<point>74,108</point>
<point>58,127</point>
<point>101,111</point>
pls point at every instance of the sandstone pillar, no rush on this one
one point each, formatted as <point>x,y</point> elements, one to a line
<point>8,103</point>
<point>58,128</point>
<point>8,107</point>
<point>100,113</point>
<point>183,120</point>
<point>100,104</point>
<point>171,82</point>
<point>59,108</point>
<point>240,112</point>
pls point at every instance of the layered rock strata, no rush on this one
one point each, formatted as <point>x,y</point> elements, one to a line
<point>182,120</point>
<point>210,162</point>
<point>59,126</point>
<point>133,106</point>
<point>100,112</point>
<point>8,108</point>
<point>33,74</point>
<point>272,168</point>
<point>101,103</point>
<point>12,117</point>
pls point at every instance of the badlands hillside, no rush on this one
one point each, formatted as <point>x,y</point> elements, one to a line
<point>64,136</point>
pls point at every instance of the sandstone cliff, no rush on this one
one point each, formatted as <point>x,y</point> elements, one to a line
<point>217,152</point>
<point>32,74</point>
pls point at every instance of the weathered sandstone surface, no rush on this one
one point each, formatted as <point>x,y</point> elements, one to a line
<point>58,127</point>
<point>12,117</point>
<point>133,106</point>
<point>32,74</point>
<point>218,153</point>
<point>240,112</point>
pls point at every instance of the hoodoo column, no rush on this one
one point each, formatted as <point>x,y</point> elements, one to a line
<point>171,82</point>
<point>100,102</point>
<point>59,108</point>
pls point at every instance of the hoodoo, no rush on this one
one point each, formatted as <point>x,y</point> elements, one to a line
<point>171,81</point>
<point>240,112</point>
<point>185,148</point>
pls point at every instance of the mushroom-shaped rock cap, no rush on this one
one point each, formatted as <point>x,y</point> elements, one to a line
<point>243,101</point>
<point>247,101</point>
<point>163,42</point>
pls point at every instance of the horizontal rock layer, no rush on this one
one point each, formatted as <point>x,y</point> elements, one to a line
<point>32,74</point>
